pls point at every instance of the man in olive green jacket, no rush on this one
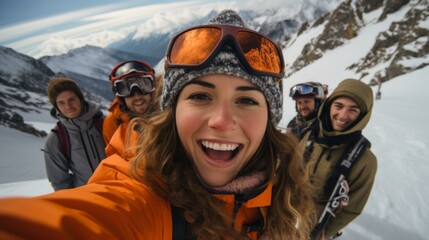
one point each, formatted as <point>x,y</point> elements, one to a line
<point>341,119</point>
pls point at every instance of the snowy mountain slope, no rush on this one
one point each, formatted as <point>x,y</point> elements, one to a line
<point>21,157</point>
<point>145,20</point>
<point>148,40</point>
<point>23,82</point>
<point>24,71</point>
<point>394,40</point>
<point>403,47</point>
<point>91,61</point>
<point>274,20</point>
<point>398,206</point>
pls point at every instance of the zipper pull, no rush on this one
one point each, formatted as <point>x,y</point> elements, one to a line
<point>237,206</point>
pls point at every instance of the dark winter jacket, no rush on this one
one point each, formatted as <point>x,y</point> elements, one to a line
<point>327,146</point>
<point>299,126</point>
<point>87,150</point>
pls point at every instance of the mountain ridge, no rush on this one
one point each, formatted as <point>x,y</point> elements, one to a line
<point>402,40</point>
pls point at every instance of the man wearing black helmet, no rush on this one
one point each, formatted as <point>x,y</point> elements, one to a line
<point>308,97</point>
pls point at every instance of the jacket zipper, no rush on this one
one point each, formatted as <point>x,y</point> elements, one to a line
<point>237,206</point>
<point>88,158</point>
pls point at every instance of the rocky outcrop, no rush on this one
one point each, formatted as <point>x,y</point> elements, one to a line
<point>391,7</point>
<point>341,25</point>
<point>404,41</point>
<point>14,120</point>
<point>401,49</point>
<point>23,82</point>
<point>367,6</point>
<point>23,72</point>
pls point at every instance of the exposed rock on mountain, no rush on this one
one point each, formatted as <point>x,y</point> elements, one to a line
<point>23,82</point>
<point>341,26</point>
<point>366,6</point>
<point>405,41</point>
<point>20,71</point>
<point>392,6</point>
<point>14,120</point>
<point>403,48</point>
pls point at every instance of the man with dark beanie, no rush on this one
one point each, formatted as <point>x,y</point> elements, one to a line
<point>75,147</point>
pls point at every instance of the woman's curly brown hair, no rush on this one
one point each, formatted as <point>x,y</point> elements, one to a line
<point>162,163</point>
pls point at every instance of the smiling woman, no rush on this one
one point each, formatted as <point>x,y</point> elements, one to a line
<point>221,121</point>
<point>211,165</point>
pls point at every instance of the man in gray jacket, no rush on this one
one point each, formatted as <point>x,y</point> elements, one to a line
<point>75,147</point>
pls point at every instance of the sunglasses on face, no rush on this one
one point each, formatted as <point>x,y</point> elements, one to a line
<point>304,89</point>
<point>196,47</point>
<point>130,67</point>
<point>124,87</point>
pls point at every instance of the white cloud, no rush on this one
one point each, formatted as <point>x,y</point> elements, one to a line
<point>45,24</point>
<point>98,26</point>
<point>101,26</point>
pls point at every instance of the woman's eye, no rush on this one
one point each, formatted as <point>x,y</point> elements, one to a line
<point>199,96</point>
<point>247,101</point>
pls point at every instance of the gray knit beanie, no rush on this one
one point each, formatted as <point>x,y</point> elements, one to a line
<point>226,62</point>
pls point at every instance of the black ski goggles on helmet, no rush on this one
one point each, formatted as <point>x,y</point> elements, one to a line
<point>138,67</point>
<point>196,47</point>
<point>124,87</point>
<point>306,90</point>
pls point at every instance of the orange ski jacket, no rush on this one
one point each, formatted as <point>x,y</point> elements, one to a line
<point>110,206</point>
<point>113,120</point>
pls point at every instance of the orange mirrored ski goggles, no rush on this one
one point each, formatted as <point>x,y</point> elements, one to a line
<point>196,47</point>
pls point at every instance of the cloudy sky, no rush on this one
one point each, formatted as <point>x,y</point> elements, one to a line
<point>50,27</point>
<point>32,26</point>
<point>25,24</point>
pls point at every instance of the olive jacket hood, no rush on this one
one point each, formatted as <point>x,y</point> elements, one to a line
<point>325,148</point>
<point>361,93</point>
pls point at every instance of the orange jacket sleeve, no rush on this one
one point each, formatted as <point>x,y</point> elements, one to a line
<point>111,168</point>
<point>105,210</point>
<point>117,141</point>
<point>121,140</point>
